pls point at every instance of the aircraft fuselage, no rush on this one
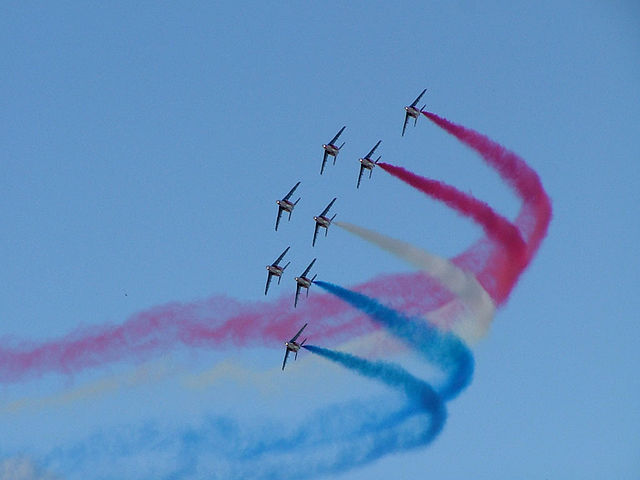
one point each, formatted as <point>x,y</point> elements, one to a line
<point>331,149</point>
<point>275,270</point>
<point>285,205</point>
<point>367,163</point>
<point>322,221</point>
<point>292,346</point>
<point>413,112</point>
<point>304,282</point>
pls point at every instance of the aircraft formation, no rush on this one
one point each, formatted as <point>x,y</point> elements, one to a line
<point>323,220</point>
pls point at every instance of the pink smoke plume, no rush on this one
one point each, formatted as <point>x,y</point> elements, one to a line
<point>496,227</point>
<point>221,321</point>
<point>535,215</point>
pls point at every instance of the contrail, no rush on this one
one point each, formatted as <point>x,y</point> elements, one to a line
<point>473,317</point>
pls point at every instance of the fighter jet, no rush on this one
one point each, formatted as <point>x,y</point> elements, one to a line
<point>286,205</point>
<point>275,269</point>
<point>331,149</point>
<point>303,282</point>
<point>323,222</point>
<point>368,163</point>
<point>293,346</point>
<point>413,112</point>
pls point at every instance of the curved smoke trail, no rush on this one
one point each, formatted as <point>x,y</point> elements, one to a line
<point>471,310</point>
<point>497,228</point>
<point>442,349</point>
<point>533,220</point>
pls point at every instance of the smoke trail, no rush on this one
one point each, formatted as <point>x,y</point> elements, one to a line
<point>391,374</point>
<point>470,320</point>
<point>441,348</point>
<point>147,373</point>
<point>534,219</point>
<point>495,226</point>
<point>216,322</point>
<point>332,440</point>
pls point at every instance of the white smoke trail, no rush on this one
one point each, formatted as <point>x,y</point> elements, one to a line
<point>470,313</point>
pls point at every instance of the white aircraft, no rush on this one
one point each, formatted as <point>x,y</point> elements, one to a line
<point>293,346</point>
<point>303,282</point>
<point>367,163</point>
<point>413,112</point>
<point>275,269</point>
<point>331,149</point>
<point>286,205</point>
<point>322,221</point>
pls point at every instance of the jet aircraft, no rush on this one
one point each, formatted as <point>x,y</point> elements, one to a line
<point>331,149</point>
<point>413,112</point>
<point>293,346</point>
<point>286,205</point>
<point>303,282</point>
<point>368,163</point>
<point>275,269</point>
<point>322,221</point>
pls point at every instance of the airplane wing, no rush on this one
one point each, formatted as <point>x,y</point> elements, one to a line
<point>295,303</point>
<point>338,134</point>
<point>373,150</point>
<point>360,175</point>
<point>315,234</point>
<point>278,217</point>
<point>418,99</point>
<point>324,212</point>
<point>266,289</point>
<point>308,268</point>
<point>298,334</point>
<point>406,119</point>
<point>324,162</point>
<point>286,197</point>
<point>274,264</point>
<point>286,355</point>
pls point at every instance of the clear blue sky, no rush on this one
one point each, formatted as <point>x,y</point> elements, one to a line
<point>143,148</point>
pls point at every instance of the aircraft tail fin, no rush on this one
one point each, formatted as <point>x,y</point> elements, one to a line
<point>285,267</point>
<point>296,202</point>
<point>341,145</point>
<point>378,159</point>
<point>314,277</point>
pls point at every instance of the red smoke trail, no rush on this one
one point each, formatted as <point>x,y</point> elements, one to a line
<point>495,226</point>
<point>533,220</point>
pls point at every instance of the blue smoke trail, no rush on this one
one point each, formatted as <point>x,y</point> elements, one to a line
<point>331,441</point>
<point>441,348</point>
